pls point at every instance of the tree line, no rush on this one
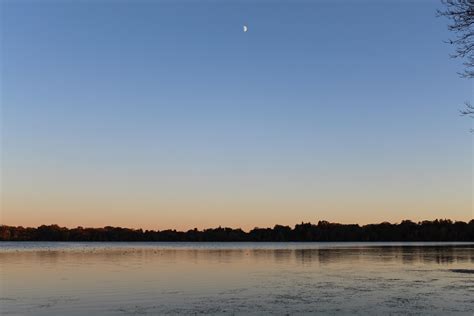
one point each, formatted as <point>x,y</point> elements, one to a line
<point>437,230</point>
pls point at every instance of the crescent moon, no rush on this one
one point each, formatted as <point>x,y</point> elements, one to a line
<point>245,28</point>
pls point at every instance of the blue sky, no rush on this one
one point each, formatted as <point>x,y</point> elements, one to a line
<point>167,111</point>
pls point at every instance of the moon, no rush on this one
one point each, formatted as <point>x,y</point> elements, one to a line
<point>245,28</point>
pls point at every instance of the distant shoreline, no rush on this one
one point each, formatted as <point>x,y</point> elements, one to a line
<point>407,231</point>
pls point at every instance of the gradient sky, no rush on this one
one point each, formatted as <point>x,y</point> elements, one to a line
<point>165,114</point>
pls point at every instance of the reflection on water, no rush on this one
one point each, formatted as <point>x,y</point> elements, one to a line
<point>235,278</point>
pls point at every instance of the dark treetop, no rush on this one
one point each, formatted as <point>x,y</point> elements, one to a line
<point>437,230</point>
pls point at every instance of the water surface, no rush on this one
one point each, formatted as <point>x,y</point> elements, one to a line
<point>236,278</point>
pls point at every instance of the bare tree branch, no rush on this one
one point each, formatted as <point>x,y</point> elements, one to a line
<point>461,15</point>
<point>469,110</point>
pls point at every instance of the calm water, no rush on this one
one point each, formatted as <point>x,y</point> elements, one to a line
<point>236,278</point>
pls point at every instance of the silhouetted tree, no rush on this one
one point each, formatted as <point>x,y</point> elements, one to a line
<point>437,230</point>
<point>461,14</point>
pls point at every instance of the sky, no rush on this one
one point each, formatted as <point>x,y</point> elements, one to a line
<point>165,114</point>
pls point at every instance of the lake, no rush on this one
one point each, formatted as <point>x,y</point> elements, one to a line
<point>54,278</point>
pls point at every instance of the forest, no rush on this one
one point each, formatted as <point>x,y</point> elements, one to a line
<point>436,230</point>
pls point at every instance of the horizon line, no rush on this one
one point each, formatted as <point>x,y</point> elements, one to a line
<point>239,228</point>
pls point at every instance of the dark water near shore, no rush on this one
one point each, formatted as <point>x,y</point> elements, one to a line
<point>236,278</point>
